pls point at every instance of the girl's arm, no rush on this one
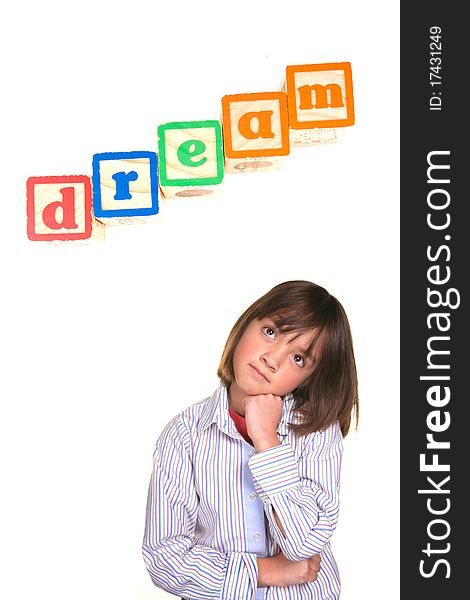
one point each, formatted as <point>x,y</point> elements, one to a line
<point>175,563</point>
<point>279,572</point>
<point>300,493</point>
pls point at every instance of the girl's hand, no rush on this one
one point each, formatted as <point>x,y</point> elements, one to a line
<point>280,572</point>
<point>262,415</point>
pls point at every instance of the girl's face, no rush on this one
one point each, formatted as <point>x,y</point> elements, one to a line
<point>266,361</point>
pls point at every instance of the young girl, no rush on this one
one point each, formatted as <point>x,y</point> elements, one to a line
<point>244,493</point>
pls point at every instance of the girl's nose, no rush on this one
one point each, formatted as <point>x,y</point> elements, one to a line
<point>270,360</point>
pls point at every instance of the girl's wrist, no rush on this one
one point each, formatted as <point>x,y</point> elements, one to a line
<point>266,443</point>
<point>267,572</point>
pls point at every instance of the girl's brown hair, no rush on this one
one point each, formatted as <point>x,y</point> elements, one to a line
<point>330,393</point>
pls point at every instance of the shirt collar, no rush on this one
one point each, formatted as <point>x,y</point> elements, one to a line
<point>216,411</point>
<point>287,404</point>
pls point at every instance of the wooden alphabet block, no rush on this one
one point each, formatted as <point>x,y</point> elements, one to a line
<point>256,131</point>
<point>59,209</point>
<point>125,187</point>
<point>320,100</point>
<point>191,158</point>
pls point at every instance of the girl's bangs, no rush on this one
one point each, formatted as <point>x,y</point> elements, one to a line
<point>294,320</point>
<point>291,319</point>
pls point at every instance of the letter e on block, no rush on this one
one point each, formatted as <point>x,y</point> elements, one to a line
<point>191,158</point>
<point>59,208</point>
<point>256,131</point>
<point>125,187</point>
<point>320,99</point>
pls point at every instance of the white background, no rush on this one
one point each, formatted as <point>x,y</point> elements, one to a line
<point>102,344</point>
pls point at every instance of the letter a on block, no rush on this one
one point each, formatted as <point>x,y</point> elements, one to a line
<point>59,208</point>
<point>125,186</point>
<point>320,95</point>
<point>256,131</point>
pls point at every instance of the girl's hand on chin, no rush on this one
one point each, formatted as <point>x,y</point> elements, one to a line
<point>262,415</point>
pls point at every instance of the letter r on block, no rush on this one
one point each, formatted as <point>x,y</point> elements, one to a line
<point>59,208</point>
<point>125,184</point>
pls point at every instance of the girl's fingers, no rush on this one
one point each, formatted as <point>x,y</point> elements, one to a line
<point>314,563</point>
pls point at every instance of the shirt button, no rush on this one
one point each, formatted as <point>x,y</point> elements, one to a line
<point>251,453</point>
<point>257,536</point>
<point>253,495</point>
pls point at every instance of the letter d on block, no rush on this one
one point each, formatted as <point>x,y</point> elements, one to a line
<point>59,208</point>
<point>66,205</point>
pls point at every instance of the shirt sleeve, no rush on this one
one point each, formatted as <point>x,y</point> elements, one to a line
<point>175,563</point>
<point>302,491</point>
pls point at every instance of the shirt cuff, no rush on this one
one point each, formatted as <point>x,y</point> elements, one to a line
<point>241,578</point>
<point>274,470</point>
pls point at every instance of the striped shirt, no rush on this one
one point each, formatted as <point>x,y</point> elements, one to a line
<point>212,499</point>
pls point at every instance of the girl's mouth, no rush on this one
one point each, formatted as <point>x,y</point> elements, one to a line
<point>258,374</point>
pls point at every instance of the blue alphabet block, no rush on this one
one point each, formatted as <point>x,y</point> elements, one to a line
<point>125,184</point>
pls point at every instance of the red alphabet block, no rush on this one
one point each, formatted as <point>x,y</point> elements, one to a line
<point>60,208</point>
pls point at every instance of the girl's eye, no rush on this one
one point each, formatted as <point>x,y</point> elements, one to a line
<point>299,360</point>
<point>269,331</point>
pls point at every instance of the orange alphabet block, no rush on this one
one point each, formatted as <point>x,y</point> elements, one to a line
<point>320,100</point>
<point>256,131</point>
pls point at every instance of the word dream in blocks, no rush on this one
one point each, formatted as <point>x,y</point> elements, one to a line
<point>255,133</point>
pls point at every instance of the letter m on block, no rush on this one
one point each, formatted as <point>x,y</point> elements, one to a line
<point>320,95</point>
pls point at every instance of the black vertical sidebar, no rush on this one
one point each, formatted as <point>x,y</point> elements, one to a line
<point>434,262</point>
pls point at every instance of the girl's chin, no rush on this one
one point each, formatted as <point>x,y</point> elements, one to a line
<point>258,390</point>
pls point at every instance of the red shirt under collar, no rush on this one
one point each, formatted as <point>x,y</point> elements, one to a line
<point>240,424</point>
